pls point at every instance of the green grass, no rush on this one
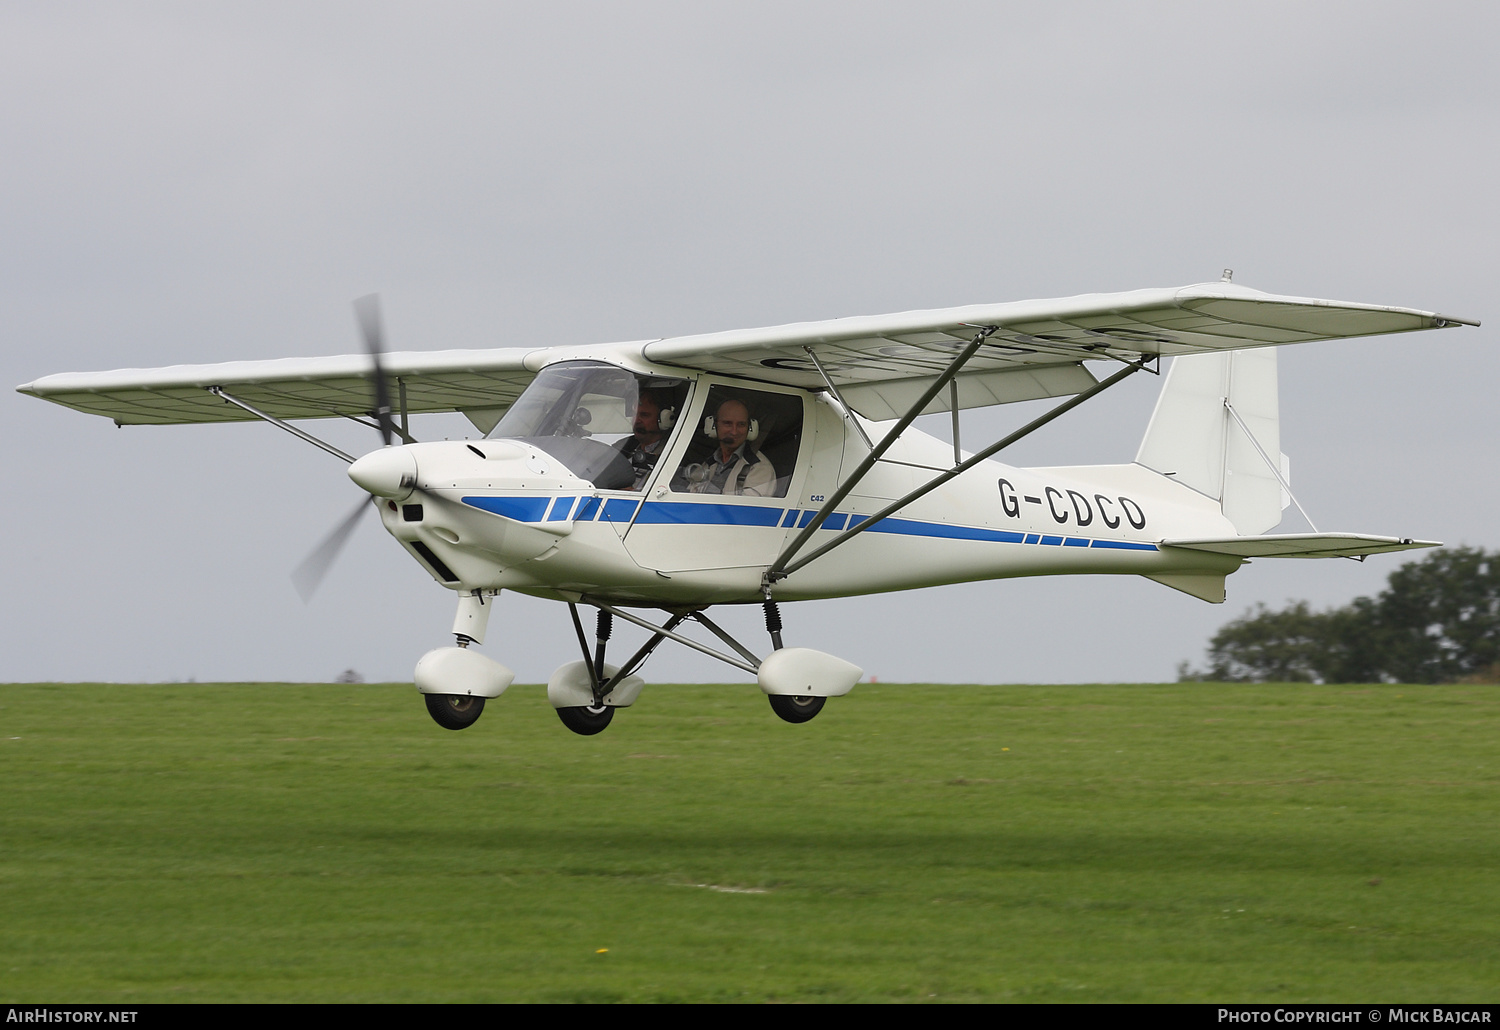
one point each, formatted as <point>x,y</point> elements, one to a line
<point>1192,842</point>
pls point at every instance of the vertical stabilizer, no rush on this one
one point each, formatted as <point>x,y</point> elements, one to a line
<point>1195,438</point>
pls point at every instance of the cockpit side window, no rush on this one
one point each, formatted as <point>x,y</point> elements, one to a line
<point>746,445</point>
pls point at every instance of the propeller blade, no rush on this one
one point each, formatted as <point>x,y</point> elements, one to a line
<point>367,312</point>
<point>308,576</point>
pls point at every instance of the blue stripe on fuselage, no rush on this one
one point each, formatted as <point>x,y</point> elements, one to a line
<point>619,509</point>
<point>704,513</point>
<point>907,527</point>
<point>708,513</point>
<point>520,509</point>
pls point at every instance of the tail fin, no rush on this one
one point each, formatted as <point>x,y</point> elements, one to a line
<point>1195,438</point>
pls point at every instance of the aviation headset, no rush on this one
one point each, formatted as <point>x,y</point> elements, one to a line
<point>666,417</point>
<point>711,429</point>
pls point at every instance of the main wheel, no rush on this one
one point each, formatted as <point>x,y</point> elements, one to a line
<point>587,720</point>
<point>794,708</point>
<point>454,711</point>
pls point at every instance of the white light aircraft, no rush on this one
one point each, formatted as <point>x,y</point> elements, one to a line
<point>767,465</point>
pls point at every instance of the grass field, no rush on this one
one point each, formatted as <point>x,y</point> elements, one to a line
<point>1193,842</point>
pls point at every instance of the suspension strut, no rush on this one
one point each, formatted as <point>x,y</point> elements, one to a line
<point>603,627</point>
<point>773,622</point>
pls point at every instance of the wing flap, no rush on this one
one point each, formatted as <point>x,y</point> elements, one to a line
<point>891,398</point>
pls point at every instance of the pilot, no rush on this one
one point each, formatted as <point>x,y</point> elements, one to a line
<point>733,467</point>
<point>647,438</point>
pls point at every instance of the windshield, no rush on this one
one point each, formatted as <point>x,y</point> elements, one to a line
<point>605,424</point>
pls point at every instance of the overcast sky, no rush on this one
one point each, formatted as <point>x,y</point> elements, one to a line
<point>190,182</point>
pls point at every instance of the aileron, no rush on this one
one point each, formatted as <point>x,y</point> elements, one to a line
<point>289,388</point>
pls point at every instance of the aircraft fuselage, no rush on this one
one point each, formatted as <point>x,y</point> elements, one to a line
<point>507,514</point>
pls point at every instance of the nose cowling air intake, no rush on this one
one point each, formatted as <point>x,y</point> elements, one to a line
<point>389,472</point>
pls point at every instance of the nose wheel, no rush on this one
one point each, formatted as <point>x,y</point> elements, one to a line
<point>794,708</point>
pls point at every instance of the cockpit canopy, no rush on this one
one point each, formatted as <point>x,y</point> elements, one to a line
<point>584,414</point>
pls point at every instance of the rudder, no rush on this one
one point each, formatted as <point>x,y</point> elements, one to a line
<point>1195,439</point>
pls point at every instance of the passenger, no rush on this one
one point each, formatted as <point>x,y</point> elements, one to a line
<point>733,467</point>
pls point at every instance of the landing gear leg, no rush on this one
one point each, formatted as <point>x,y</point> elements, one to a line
<point>603,626</point>
<point>587,720</point>
<point>773,621</point>
<point>798,681</point>
<point>455,682</point>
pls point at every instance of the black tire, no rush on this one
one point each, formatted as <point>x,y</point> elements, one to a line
<point>586,721</point>
<point>794,708</point>
<point>454,711</point>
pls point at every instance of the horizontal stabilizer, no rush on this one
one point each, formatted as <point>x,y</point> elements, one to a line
<point>1302,545</point>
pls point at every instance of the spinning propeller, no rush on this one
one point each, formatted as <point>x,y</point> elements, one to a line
<point>367,312</point>
<point>309,575</point>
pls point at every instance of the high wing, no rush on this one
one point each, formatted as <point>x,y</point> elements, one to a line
<point>481,383</point>
<point>883,363</point>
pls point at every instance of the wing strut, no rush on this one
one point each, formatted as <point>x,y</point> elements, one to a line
<point>784,567</point>
<point>218,391</point>
<point>403,428</point>
<point>834,499</point>
<point>834,392</point>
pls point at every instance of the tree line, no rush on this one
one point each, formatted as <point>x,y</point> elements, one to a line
<point>1437,621</point>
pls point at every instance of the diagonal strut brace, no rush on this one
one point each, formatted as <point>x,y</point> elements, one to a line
<point>637,659</point>
<point>775,571</point>
<point>782,568</point>
<point>666,632</point>
<point>218,391</point>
